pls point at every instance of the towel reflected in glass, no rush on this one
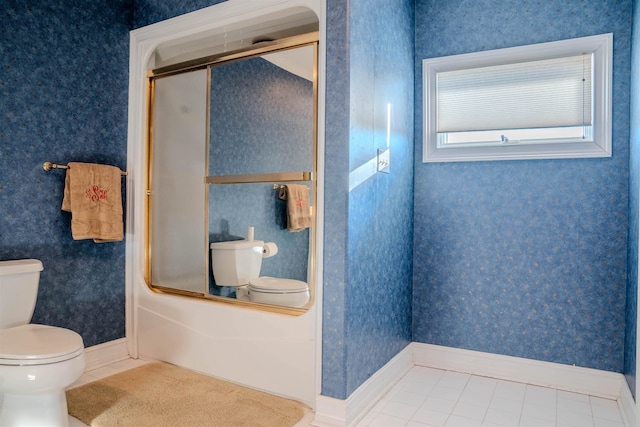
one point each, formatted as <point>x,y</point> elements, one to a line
<point>298,211</point>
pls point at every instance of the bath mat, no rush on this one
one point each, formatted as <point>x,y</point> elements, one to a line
<point>160,394</point>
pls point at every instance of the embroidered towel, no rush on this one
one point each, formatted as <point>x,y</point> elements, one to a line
<point>92,195</point>
<point>298,212</point>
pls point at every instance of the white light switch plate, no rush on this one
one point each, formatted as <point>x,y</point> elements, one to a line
<point>383,160</point>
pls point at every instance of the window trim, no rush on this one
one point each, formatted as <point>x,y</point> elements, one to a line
<point>602,48</point>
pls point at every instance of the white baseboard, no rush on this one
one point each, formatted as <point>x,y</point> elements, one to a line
<point>547,374</point>
<point>106,353</point>
<point>627,404</point>
<point>337,412</point>
<point>608,385</point>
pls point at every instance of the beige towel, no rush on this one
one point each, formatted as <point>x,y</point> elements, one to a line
<point>92,195</point>
<point>298,212</point>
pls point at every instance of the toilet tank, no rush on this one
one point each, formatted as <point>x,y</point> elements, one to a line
<point>18,291</point>
<point>235,263</point>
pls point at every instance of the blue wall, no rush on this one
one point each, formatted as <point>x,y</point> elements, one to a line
<point>336,205</point>
<point>261,122</point>
<point>524,258</point>
<point>146,12</point>
<point>261,119</point>
<point>368,242</point>
<point>63,97</point>
<point>634,204</point>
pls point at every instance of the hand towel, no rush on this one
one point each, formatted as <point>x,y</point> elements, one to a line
<point>298,212</point>
<point>92,195</point>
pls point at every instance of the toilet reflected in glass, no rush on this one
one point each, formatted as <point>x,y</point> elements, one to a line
<point>237,264</point>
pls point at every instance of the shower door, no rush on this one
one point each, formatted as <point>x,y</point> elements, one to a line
<point>225,133</point>
<point>178,163</point>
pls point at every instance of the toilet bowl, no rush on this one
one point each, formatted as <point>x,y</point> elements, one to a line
<point>37,362</point>
<point>237,263</point>
<point>275,291</point>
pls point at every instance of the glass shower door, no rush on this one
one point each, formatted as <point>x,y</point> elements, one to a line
<point>178,165</point>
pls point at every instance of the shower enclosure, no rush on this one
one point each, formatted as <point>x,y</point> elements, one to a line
<point>181,318</point>
<point>225,131</point>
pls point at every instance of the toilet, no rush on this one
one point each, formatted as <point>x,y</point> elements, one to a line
<point>37,362</point>
<point>237,263</point>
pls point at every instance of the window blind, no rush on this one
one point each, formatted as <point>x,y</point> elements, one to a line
<point>535,94</point>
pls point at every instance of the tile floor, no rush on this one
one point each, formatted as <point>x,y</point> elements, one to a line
<point>427,397</point>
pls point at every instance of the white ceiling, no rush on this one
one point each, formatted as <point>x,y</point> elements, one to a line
<point>237,36</point>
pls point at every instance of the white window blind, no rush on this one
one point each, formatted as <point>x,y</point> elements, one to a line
<point>536,94</point>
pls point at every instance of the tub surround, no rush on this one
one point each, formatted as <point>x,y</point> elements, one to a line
<point>263,350</point>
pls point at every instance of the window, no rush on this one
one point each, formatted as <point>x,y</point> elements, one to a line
<point>543,101</point>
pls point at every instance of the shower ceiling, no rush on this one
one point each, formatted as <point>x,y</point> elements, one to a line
<point>236,36</point>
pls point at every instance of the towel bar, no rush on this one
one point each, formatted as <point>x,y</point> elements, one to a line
<point>258,178</point>
<point>47,166</point>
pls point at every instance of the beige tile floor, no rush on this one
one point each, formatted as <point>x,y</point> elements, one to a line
<point>427,397</point>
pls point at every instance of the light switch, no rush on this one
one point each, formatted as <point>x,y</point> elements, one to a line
<point>383,160</point>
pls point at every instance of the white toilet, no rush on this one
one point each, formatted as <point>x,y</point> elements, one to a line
<point>37,362</point>
<point>237,263</point>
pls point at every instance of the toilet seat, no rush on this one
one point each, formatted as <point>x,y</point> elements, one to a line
<point>274,285</point>
<point>275,291</point>
<point>34,344</point>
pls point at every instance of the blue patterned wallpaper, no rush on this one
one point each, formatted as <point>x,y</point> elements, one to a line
<point>524,258</point>
<point>367,300</point>
<point>146,12</point>
<point>261,122</point>
<point>63,97</point>
<point>336,206</point>
<point>261,119</point>
<point>631,313</point>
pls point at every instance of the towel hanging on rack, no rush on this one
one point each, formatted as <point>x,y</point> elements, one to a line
<point>298,212</point>
<point>92,194</point>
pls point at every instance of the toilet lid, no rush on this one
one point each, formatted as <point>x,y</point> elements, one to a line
<point>37,344</point>
<point>276,285</point>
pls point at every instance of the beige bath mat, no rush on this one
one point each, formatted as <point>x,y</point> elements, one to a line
<point>159,394</point>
